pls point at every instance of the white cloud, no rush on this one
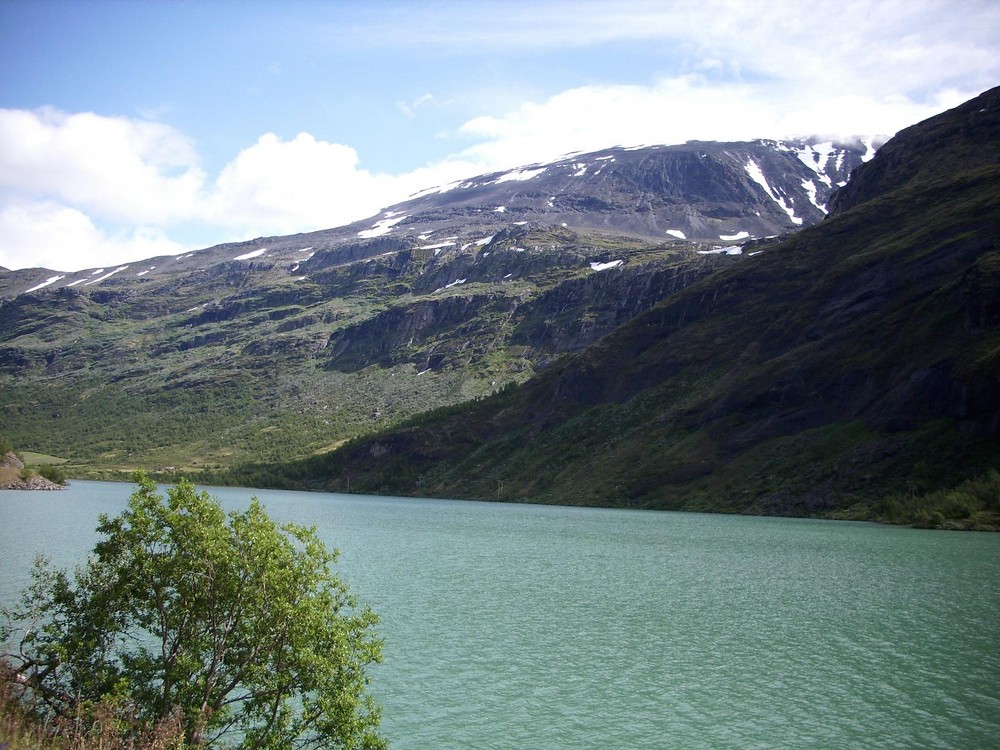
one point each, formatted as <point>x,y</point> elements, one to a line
<point>680,109</point>
<point>278,186</point>
<point>49,235</point>
<point>127,170</point>
<point>410,110</point>
<point>81,190</point>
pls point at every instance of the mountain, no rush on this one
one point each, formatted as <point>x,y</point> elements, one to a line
<point>851,369</point>
<point>284,346</point>
<point>701,191</point>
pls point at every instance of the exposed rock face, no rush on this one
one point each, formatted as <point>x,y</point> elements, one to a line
<point>11,460</point>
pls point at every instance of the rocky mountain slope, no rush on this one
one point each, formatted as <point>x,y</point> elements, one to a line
<point>851,369</point>
<point>283,346</point>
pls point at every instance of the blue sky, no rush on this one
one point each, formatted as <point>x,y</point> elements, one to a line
<point>130,129</point>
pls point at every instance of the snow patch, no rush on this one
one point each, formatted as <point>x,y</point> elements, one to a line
<point>870,149</point>
<point>734,237</point>
<point>143,273</point>
<point>519,175</point>
<point>485,241</point>
<point>500,209</point>
<point>456,282</point>
<point>758,176</point>
<point>816,157</point>
<point>810,187</point>
<point>520,223</point>
<point>605,266</point>
<point>78,281</point>
<point>677,233</point>
<point>581,170</point>
<point>47,282</point>
<point>434,190</point>
<point>723,250</point>
<point>438,246</point>
<point>106,276</point>
<point>251,254</point>
<point>381,227</point>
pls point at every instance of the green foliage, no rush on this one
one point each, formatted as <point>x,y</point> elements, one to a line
<point>52,473</point>
<point>5,445</point>
<point>973,504</point>
<point>234,622</point>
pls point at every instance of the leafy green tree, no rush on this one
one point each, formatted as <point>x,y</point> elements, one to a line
<point>235,622</point>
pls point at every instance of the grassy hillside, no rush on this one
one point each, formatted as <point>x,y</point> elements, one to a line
<point>245,362</point>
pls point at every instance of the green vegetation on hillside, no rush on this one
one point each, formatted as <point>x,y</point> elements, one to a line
<point>243,363</point>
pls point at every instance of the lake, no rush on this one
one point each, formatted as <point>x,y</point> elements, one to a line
<point>526,626</point>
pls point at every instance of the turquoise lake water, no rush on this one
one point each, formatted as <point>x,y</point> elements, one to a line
<point>524,626</point>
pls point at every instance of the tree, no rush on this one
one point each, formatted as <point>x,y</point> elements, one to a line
<point>234,622</point>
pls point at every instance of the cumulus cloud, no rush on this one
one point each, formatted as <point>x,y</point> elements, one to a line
<point>676,110</point>
<point>78,190</point>
<point>278,186</point>
<point>123,169</point>
<point>50,235</point>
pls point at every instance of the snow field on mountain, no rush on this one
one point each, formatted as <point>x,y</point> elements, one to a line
<point>758,176</point>
<point>381,227</point>
<point>605,266</point>
<point>50,280</point>
<point>106,276</point>
<point>251,254</point>
<point>519,175</point>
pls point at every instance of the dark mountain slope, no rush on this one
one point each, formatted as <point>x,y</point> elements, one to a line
<point>852,365</point>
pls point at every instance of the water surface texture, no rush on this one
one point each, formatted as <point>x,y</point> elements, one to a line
<point>521,626</point>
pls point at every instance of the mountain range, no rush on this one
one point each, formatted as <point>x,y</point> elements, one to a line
<point>772,327</point>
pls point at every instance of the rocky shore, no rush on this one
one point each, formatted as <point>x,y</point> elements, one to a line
<point>11,476</point>
<point>32,483</point>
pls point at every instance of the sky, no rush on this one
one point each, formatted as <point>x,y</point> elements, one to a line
<point>130,129</point>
